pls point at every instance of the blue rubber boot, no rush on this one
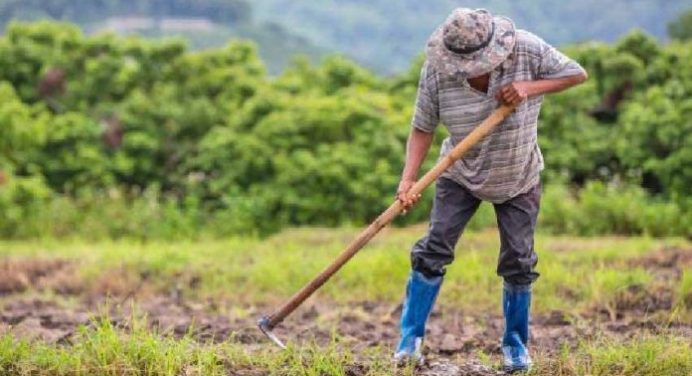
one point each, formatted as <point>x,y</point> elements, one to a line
<point>516,301</point>
<point>421,292</point>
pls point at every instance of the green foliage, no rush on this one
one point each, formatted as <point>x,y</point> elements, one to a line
<point>19,129</point>
<point>169,143</point>
<point>602,209</point>
<point>640,45</point>
<point>656,137</point>
<point>21,199</point>
<point>647,140</point>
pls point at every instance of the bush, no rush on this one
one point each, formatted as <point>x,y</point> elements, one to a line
<point>21,198</point>
<point>610,209</point>
<point>116,137</point>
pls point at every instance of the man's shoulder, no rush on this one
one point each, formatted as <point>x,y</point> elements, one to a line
<point>427,74</point>
<point>529,42</point>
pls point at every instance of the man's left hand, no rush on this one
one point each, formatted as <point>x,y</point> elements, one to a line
<point>514,93</point>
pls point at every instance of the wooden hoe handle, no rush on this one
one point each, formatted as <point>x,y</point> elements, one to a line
<point>483,129</point>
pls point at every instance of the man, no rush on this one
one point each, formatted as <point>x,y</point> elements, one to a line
<point>474,61</point>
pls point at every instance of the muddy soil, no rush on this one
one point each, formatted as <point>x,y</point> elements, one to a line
<point>453,343</point>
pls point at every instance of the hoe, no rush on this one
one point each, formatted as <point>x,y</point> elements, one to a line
<point>268,323</point>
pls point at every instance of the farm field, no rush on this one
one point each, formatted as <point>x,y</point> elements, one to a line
<point>603,306</point>
<point>157,199</point>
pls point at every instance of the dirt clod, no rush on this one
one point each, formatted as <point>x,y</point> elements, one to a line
<point>17,275</point>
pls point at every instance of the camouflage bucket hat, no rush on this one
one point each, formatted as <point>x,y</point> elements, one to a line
<point>470,43</point>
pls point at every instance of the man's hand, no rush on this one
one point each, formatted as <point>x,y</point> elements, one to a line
<point>514,93</point>
<point>416,147</point>
<point>402,194</point>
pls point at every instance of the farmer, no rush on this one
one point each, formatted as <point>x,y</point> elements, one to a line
<point>474,61</point>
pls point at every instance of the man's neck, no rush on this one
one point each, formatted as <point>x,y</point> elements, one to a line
<point>480,83</point>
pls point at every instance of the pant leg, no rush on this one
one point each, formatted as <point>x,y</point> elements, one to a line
<point>516,219</point>
<point>452,209</point>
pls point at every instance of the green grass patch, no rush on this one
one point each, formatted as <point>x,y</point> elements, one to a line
<point>104,350</point>
<point>646,356</point>
<point>576,273</point>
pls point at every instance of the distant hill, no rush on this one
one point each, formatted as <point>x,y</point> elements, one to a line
<point>383,34</point>
<point>277,45</point>
<point>204,23</point>
<point>386,34</point>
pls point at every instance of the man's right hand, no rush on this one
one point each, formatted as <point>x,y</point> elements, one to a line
<point>402,194</point>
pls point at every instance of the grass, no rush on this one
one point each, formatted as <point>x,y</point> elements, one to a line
<point>103,350</point>
<point>578,275</point>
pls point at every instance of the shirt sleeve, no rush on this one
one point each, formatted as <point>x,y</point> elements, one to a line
<point>555,64</point>
<point>426,114</point>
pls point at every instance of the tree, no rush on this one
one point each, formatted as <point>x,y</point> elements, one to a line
<point>681,27</point>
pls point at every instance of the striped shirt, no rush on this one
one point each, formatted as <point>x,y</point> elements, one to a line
<point>507,162</point>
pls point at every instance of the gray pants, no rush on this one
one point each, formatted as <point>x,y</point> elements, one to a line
<point>453,208</point>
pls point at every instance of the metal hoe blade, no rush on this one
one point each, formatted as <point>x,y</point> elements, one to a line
<point>263,325</point>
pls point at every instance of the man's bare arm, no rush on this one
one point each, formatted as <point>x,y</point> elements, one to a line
<point>416,149</point>
<point>515,92</point>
